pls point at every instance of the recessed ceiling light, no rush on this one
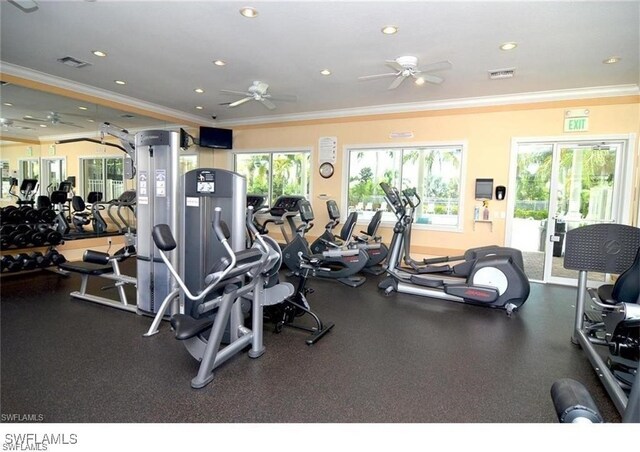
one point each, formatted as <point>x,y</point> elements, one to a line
<point>120,82</point>
<point>8,104</point>
<point>249,11</point>
<point>325,72</point>
<point>611,60</point>
<point>80,107</point>
<point>199,90</point>
<point>198,107</point>
<point>99,53</point>
<point>509,46</point>
<point>43,125</point>
<point>419,81</point>
<point>91,120</point>
<point>219,63</point>
<point>389,29</point>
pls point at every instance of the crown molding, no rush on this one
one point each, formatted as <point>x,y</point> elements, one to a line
<point>470,102</point>
<point>410,107</point>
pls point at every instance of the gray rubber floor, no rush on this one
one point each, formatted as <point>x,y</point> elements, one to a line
<point>400,359</point>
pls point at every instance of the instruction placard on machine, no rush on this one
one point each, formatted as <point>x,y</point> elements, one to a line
<point>161,183</point>
<point>206,182</point>
<point>143,197</point>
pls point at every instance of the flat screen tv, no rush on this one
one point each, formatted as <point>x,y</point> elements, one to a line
<point>212,137</point>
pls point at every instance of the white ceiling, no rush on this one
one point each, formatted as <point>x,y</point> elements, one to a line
<point>164,50</point>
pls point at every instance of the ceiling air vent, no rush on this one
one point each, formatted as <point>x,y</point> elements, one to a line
<point>73,62</point>
<point>498,74</point>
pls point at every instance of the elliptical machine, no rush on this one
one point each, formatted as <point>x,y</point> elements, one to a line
<point>494,281</point>
<point>465,262</point>
<point>338,264</point>
<point>240,273</point>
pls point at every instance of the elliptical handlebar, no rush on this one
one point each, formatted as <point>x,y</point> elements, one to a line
<point>164,240</point>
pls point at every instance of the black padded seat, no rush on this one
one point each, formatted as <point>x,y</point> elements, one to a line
<point>86,268</point>
<point>187,327</point>
<point>605,294</point>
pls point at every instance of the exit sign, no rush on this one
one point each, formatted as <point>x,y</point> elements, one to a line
<point>580,124</point>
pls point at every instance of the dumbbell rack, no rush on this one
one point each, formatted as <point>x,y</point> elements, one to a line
<point>26,227</point>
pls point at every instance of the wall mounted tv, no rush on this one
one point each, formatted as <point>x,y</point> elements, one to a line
<point>212,137</point>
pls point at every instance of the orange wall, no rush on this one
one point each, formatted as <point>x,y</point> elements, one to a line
<point>488,132</point>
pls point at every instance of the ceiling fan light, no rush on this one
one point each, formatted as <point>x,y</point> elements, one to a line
<point>219,63</point>
<point>419,81</point>
<point>199,90</point>
<point>325,72</point>
<point>99,53</point>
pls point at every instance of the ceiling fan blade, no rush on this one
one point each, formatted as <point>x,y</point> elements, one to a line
<point>370,77</point>
<point>240,102</point>
<point>396,82</point>
<point>27,6</point>
<point>439,66</point>
<point>282,97</point>
<point>70,124</point>
<point>27,118</point>
<point>432,78</point>
<point>235,93</point>
<point>393,64</point>
<point>267,103</point>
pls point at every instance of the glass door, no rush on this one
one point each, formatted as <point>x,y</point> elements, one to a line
<point>559,187</point>
<point>588,180</point>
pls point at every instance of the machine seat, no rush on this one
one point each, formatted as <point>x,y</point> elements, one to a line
<point>87,268</point>
<point>187,327</point>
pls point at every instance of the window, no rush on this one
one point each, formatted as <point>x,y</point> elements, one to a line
<point>275,173</point>
<point>53,172</point>
<point>28,169</point>
<point>188,162</point>
<point>6,179</point>
<point>103,174</point>
<point>434,171</point>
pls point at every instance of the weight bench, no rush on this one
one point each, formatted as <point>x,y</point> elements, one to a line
<point>96,263</point>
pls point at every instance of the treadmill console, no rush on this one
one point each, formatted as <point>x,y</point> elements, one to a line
<point>285,204</point>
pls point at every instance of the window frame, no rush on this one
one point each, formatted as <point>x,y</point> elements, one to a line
<point>401,147</point>
<point>271,152</point>
<point>79,189</point>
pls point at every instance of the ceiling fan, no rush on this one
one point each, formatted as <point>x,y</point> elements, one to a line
<point>407,66</point>
<point>258,92</point>
<point>7,123</point>
<point>52,118</point>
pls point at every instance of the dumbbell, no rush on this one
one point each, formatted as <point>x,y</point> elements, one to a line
<point>47,215</point>
<point>5,239</point>
<point>52,237</point>
<point>10,264</point>
<point>55,258</point>
<point>22,235</point>
<point>30,214</point>
<point>27,262</point>
<point>40,259</point>
<point>12,215</point>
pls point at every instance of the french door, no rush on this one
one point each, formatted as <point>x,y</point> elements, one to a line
<point>559,186</point>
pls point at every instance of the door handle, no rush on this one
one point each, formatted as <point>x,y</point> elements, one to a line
<point>554,238</point>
